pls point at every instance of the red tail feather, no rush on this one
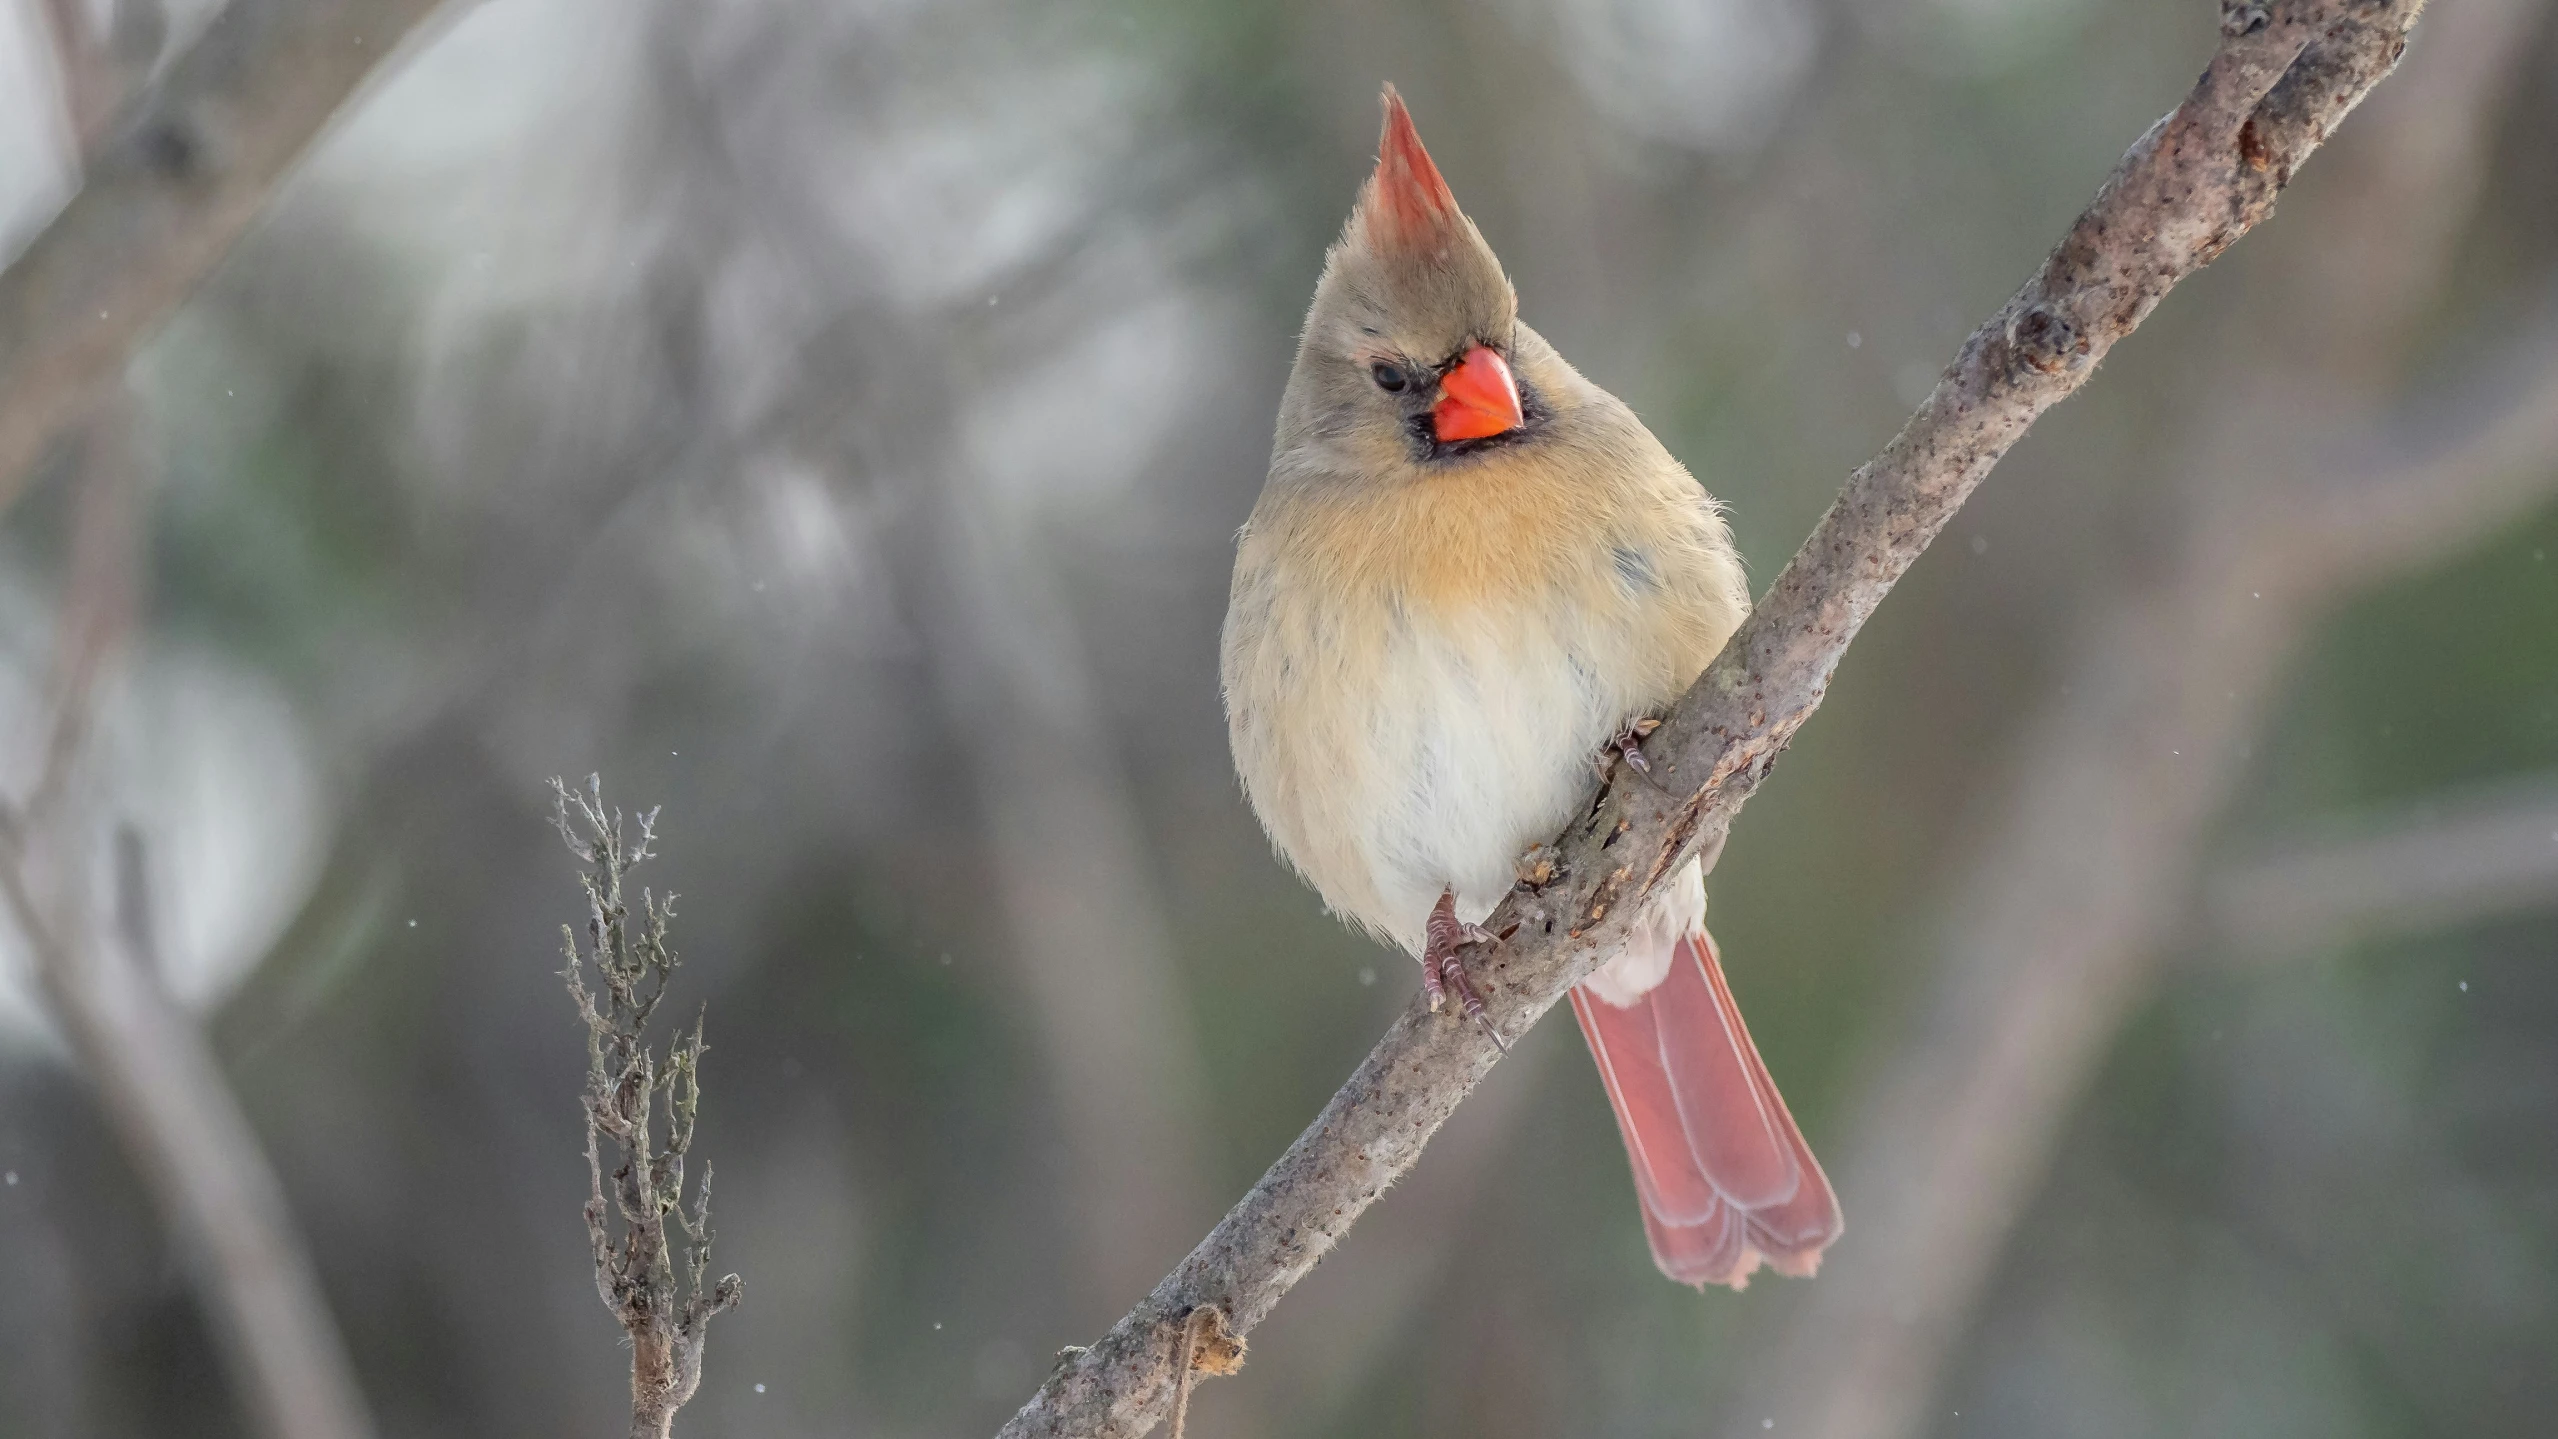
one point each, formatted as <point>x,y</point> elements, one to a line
<point>1724,1175</point>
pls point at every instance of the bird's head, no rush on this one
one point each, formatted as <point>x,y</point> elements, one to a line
<point>1412,341</point>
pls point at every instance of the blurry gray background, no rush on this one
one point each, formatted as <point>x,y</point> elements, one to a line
<point>829,420</point>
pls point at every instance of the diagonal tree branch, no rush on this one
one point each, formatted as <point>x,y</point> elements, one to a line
<point>179,179</point>
<point>2290,501</point>
<point>2051,942</point>
<point>2283,76</point>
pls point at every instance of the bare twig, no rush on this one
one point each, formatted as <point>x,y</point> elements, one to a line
<point>2283,76</point>
<point>159,1082</point>
<point>649,1279</point>
<point>164,197</point>
<point>2052,935</point>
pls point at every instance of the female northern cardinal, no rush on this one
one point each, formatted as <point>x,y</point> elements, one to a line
<point>1471,572</point>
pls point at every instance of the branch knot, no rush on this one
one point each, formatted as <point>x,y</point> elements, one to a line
<point>2044,339</point>
<point>2241,18</point>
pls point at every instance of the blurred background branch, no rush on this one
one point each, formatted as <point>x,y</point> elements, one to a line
<point>180,146</point>
<point>160,1083</point>
<point>1027,742</point>
<point>2437,864</point>
<point>98,60</point>
<point>165,190</point>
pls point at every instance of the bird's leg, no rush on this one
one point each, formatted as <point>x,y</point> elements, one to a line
<point>1443,970</point>
<point>1629,743</point>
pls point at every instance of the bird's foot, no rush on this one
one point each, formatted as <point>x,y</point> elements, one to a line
<point>1443,970</point>
<point>1629,744</point>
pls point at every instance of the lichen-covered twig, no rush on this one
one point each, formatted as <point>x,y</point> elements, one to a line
<point>651,1254</point>
<point>2284,75</point>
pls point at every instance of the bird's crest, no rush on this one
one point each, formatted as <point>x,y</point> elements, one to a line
<point>1407,209</point>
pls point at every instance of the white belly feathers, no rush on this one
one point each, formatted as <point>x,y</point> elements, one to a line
<point>1428,752</point>
<point>1483,747</point>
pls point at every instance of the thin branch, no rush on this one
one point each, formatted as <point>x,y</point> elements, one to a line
<point>650,1267</point>
<point>182,176</point>
<point>2283,76</point>
<point>158,1080</point>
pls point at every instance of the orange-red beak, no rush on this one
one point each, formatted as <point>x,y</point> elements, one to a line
<point>1477,400</point>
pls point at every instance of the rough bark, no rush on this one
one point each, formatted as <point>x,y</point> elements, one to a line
<point>2283,75</point>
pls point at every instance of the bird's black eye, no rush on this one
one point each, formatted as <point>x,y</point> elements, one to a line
<point>1389,378</point>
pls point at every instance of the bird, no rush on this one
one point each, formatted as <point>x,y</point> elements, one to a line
<point>1473,580</point>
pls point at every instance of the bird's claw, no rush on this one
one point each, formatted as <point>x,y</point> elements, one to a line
<point>1443,970</point>
<point>1629,744</point>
